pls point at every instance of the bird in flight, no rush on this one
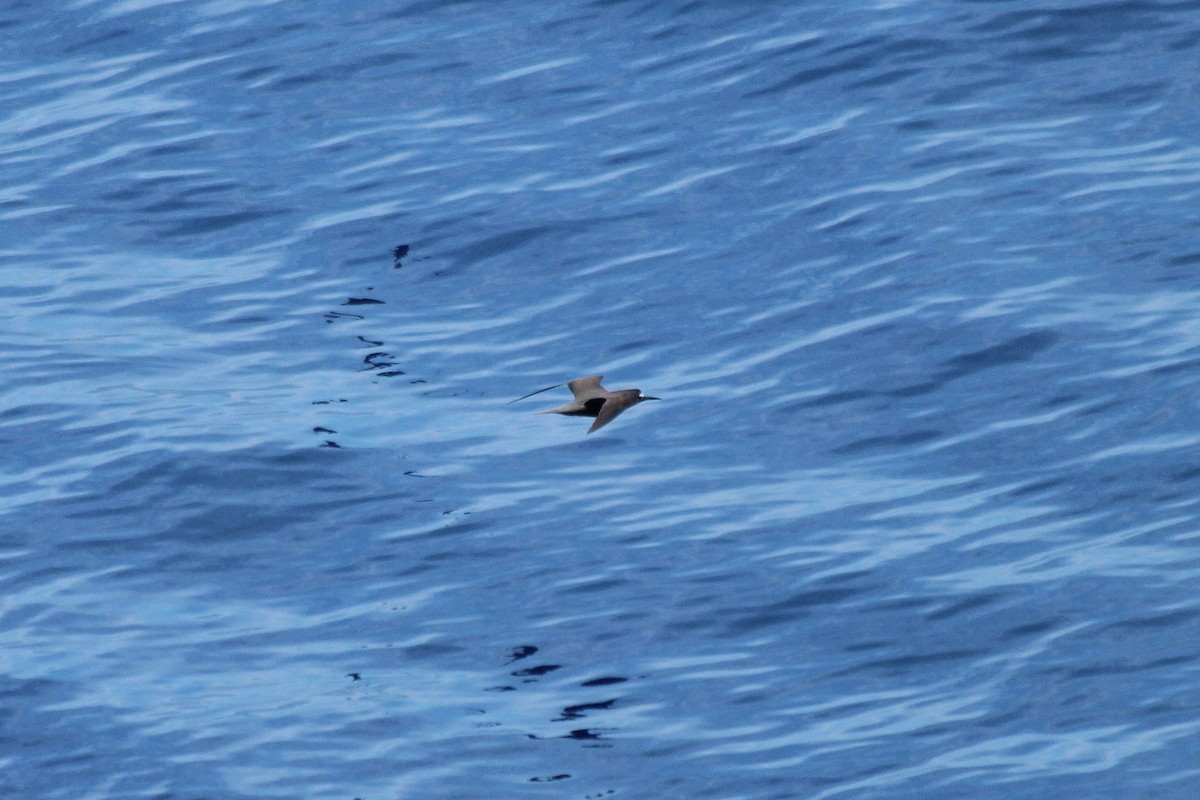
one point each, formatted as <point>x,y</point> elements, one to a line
<point>593,400</point>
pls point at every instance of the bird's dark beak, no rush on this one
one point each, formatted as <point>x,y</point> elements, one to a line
<point>648,397</point>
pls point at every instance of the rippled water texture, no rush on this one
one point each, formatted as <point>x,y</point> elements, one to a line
<point>916,518</point>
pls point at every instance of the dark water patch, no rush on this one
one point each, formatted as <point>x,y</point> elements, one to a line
<point>962,91</point>
<point>1164,619</point>
<point>916,389</point>
<point>380,61</point>
<point>885,78</point>
<point>562,776</point>
<point>1185,366</point>
<point>830,399</point>
<point>605,681</point>
<point>1038,487</point>
<point>1184,475</point>
<point>872,53</point>
<point>598,586</point>
<point>628,156</point>
<point>99,39</point>
<point>802,77</point>
<point>521,652</point>
<point>190,147</point>
<point>581,710</point>
<point>431,651</point>
<point>790,610</point>
<point>198,225</point>
<point>905,665</point>
<point>421,7</point>
<point>36,412</point>
<point>1127,667</point>
<point>499,244</point>
<point>1021,348</point>
<point>537,671</point>
<point>1085,26</point>
<point>399,252</point>
<point>302,81</point>
<point>888,442</point>
<point>1128,95</point>
<point>963,606</point>
<point>1185,260</point>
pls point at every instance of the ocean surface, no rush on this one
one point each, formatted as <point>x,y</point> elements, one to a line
<point>918,515</point>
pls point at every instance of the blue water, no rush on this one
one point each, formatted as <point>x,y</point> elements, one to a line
<point>918,515</point>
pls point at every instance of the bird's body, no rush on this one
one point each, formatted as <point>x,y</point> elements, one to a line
<point>593,400</point>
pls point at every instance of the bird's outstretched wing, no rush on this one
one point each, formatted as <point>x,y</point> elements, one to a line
<point>582,388</point>
<point>613,405</point>
<point>586,388</point>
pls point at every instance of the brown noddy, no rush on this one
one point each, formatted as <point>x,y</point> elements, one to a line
<point>593,400</point>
